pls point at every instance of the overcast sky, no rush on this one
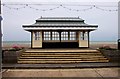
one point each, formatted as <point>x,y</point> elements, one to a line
<point>106,21</point>
<point>60,0</point>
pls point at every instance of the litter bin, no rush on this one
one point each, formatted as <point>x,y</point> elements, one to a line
<point>118,44</point>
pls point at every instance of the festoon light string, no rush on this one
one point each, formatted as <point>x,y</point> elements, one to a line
<point>23,6</point>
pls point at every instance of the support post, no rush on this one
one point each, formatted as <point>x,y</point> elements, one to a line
<point>60,35</point>
<point>42,35</point>
<point>31,39</point>
<point>68,35</point>
<point>88,39</point>
<point>41,39</point>
<point>79,38</point>
<point>83,35</point>
<point>50,35</point>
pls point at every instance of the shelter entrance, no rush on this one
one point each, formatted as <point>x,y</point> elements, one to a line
<point>59,39</point>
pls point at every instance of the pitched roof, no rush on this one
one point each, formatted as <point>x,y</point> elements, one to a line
<point>59,22</point>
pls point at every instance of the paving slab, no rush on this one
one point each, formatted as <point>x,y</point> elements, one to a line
<point>107,72</point>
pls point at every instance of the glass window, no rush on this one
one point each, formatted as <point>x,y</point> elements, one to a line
<point>86,36</point>
<point>64,36</point>
<point>55,36</point>
<point>47,36</point>
<point>37,36</point>
<point>72,35</point>
<point>83,35</point>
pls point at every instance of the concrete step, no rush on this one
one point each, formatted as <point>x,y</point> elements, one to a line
<point>59,62</point>
<point>64,57</point>
<point>59,50</point>
<point>62,53</point>
<point>50,59</point>
<point>61,56</point>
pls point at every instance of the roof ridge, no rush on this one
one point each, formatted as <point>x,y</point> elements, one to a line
<point>59,17</point>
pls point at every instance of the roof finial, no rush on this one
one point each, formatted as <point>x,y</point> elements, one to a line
<point>41,16</point>
<point>78,16</point>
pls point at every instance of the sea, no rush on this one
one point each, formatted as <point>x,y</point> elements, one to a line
<point>29,42</point>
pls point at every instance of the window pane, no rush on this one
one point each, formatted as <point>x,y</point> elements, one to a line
<point>47,35</point>
<point>55,36</point>
<point>37,35</point>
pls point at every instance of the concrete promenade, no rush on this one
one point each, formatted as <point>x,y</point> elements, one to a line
<point>83,72</point>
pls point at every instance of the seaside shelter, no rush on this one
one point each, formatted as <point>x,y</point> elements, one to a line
<point>60,32</point>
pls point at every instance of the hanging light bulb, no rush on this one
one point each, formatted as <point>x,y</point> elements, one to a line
<point>57,7</point>
<point>16,8</point>
<point>37,9</point>
<point>43,10</point>
<point>91,7</point>
<point>60,5</point>
<point>26,4</point>
<point>50,9</point>
<point>30,7</point>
